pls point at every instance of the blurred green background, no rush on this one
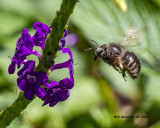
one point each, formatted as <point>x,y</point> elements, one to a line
<point>100,92</point>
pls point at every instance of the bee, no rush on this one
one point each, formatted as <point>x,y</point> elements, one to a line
<point>114,54</point>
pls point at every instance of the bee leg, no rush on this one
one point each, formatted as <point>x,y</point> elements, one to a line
<point>122,69</point>
<point>124,76</point>
<point>95,58</point>
<point>116,69</point>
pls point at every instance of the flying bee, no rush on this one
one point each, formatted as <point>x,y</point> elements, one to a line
<point>115,55</point>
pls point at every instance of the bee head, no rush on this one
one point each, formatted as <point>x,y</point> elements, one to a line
<point>98,51</point>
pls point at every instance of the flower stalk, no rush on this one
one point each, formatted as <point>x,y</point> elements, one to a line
<point>49,53</point>
<point>52,43</point>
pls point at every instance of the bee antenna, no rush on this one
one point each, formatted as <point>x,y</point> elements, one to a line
<point>89,49</point>
<point>95,42</point>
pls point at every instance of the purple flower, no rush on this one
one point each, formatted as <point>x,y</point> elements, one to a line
<point>24,48</point>
<point>29,81</point>
<point>41,34</point>
<point>60,91</point>
<point>42,30</point>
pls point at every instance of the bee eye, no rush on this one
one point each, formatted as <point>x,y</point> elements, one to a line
<point>98,51</point>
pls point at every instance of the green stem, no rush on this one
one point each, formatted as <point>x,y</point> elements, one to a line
<point>58,27</point>
<point>49,53</point>
<point>13,111</point>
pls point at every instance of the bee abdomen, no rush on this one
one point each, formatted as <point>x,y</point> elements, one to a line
<point>132,64</point>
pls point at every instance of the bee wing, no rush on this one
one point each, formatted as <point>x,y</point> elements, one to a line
<point>132,38</point>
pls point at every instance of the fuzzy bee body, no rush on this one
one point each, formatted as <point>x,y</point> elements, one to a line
<point>115,55</point>
<point>132,64</point>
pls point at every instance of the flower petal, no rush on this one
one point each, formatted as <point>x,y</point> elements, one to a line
<point>40,92</point>
<point>49,93</point>
<point>48,85</point>
<point>53,102</point>
<point>63,41</point>
<point>27,40</point>
<point>28,67</point>
<point>12,67</point>
<point>39,38</point>
<point>64,95</point>
<point>42,27</point>
<point>41,77</point>
<point>66,83</point>
<point>61,65</point>
<point>71,70</point>
<point>66,33</point>
<point>23,49</point>
<point>47,100</point>
<point>54,83</point>
<point>64,64</point>
<point>67,50</point>
<point>31,65</point>
<point>41,34</point>
<point>29,93</point>
<point>22,84</point>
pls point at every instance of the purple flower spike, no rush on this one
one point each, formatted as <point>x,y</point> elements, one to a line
<point>29,81</point>
<point>41,34</point>
<point>24,48</point>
